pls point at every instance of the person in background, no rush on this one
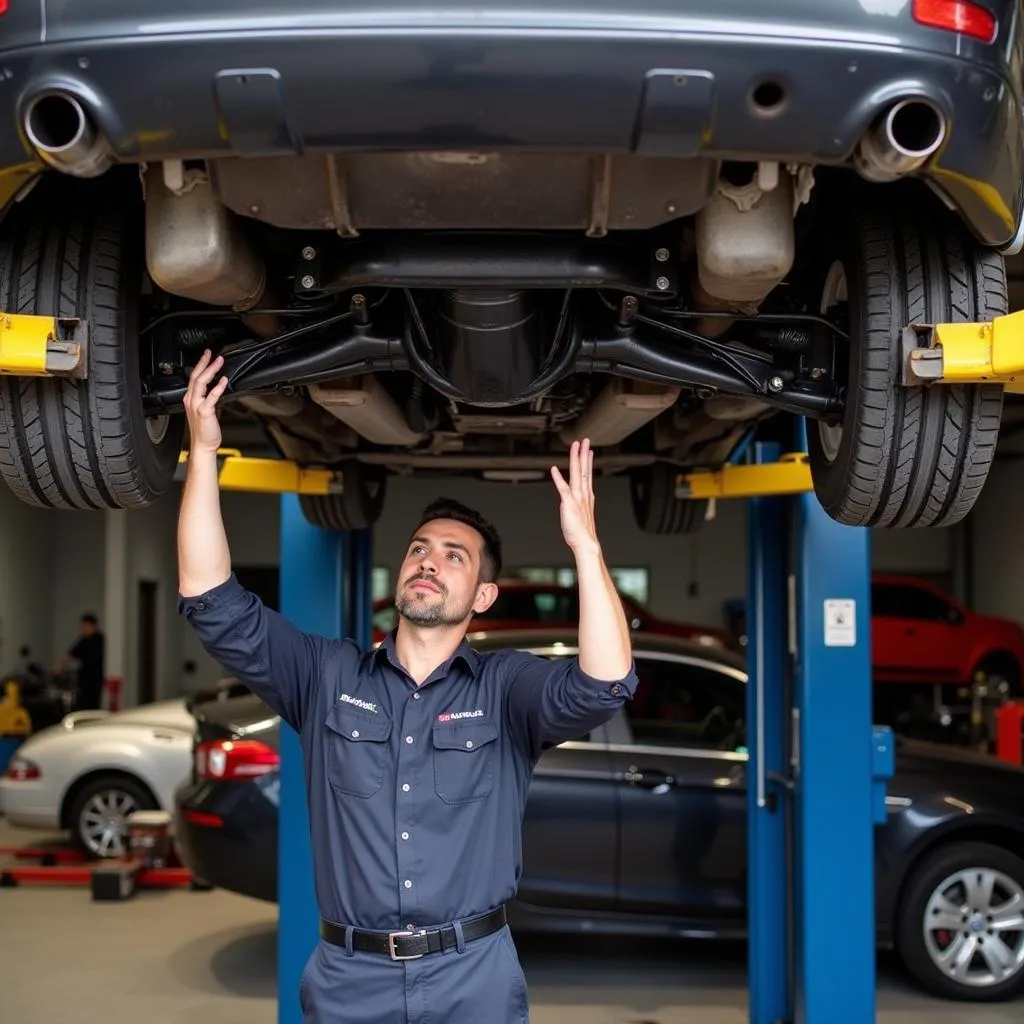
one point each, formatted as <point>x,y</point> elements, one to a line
<point>87,653</point>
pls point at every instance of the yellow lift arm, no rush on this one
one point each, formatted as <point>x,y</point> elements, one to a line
<point>991,352</point>
<point>42,346</point>
<point>237,472</point>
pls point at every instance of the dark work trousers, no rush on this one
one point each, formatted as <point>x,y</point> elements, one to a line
<point>482,984</point>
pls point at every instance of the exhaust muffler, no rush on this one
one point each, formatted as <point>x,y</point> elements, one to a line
<point>900,141</point>
<point>64,136</point>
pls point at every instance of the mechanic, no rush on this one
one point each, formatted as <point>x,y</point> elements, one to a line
<point>87,652</point>
<point>418,755</point>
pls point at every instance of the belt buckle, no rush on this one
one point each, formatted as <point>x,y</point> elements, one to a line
<point>393,952</point>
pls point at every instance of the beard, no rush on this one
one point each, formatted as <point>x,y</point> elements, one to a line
<point>423,609</point>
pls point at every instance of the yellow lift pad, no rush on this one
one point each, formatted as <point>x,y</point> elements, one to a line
<point>238,472</point>
<point>42,346</point>
<point>790,475</point>
<point>990,352</point>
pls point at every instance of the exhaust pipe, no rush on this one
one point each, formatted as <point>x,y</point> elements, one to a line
<point>64,136</point>
<point>900,141</point>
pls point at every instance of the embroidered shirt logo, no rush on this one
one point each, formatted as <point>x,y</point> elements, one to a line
<point>364,704</point>
<point>452,716</point>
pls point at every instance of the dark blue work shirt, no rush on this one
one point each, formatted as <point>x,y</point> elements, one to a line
<point>416,793</point>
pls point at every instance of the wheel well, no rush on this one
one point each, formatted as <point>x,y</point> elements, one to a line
<point>100,773</point>
<point>1003,659</point>
<point>996,835</point>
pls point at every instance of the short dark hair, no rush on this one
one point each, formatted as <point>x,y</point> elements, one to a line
<point>90,618</point>
<point>449,508</point>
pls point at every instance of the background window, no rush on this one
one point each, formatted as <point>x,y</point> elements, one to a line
<point>632,580</point>
<point>680,705</point>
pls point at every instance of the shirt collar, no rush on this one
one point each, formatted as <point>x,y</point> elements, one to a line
<point>463,653</point>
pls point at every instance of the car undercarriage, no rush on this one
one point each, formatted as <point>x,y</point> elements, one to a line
<point>453,300</point>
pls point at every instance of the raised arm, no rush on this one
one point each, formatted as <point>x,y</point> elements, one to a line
<point>265,651</point>
<point>605,648</point>
<point>549,702</point>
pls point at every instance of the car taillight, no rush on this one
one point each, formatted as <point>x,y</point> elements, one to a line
<point>226,760</point>
<point>956,16</point>
<point>19,768</point>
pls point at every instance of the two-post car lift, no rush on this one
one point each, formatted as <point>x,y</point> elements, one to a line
<point>817,768</point>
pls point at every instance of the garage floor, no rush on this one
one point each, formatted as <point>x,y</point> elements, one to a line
<point>179,957</point>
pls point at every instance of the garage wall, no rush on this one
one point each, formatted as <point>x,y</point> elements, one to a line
<point>78,574</point>
<point>998,577</point>
<point>41,596</point>
<point>26,582</point>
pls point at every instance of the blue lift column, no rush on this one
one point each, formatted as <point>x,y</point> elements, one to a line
<point>768,803</point>
<point>817,769</point>
<point>834,770</point>
<point>312,597</point>
<point>361,587</point>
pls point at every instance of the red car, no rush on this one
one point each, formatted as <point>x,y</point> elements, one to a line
<point>522,604</point>
<point>921,634</point>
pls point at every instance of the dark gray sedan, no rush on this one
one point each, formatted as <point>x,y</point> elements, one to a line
<point>640,826</point>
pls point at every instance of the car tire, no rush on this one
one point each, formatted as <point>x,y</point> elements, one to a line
<point>74,248</point>
<point>357,507</point>
<point>656,509</point>
<point>122,794</point>
<point>904,456</point>
<point>939,873</point>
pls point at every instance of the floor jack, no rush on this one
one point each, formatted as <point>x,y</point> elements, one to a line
<point>150,864</point>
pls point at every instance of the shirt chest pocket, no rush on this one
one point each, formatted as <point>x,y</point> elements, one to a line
<point>357,751</point>
<point>465,755</point>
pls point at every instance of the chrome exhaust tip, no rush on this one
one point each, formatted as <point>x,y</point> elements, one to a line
<point>64,136</point>
<point>901,140</point>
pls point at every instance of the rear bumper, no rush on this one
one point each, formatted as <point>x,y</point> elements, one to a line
<point>240,853</point>
<point>612,81</point>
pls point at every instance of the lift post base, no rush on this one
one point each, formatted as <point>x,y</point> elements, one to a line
<point>42,346</point>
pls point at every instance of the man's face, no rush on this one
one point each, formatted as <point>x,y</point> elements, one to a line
<point>438,582</point>
<point>88,628</point>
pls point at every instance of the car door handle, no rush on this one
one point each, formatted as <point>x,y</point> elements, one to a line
<point>657,781</point>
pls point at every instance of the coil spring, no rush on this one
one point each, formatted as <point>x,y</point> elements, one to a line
<point>199,337</point>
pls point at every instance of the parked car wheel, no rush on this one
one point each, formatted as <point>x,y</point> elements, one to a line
<point>656,509</point>
<point>961,923</point>
<point>73,251</point>
<point>901,456</point>
<point>357,507</point>
<point>99,813</point>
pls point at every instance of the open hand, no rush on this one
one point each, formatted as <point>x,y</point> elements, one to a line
<point>577,510</point>
<point>201,405</point>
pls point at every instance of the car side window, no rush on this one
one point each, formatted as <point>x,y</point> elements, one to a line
<point>678,704</point>
<point>899,601</point>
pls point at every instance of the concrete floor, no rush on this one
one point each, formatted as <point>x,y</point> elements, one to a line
<point>179,957</point>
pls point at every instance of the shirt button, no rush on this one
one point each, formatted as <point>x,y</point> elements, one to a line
<point>616,689</point>
<point>408,739</point>
<point>469,744</point>
<point>405,835</point>
<point>405,787</point>
<point>408,884</point>
<point>355,734</point>
<point>200,605</point>
<point>415,696</point>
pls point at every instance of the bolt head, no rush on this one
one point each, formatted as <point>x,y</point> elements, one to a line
<point>662,283</point>
<point>308,252</point>
<point>776,383</point>
<point>662,255</point>
<point>308,281</point>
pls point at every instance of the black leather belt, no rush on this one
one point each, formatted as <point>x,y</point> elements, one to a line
<point>406,945</point>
